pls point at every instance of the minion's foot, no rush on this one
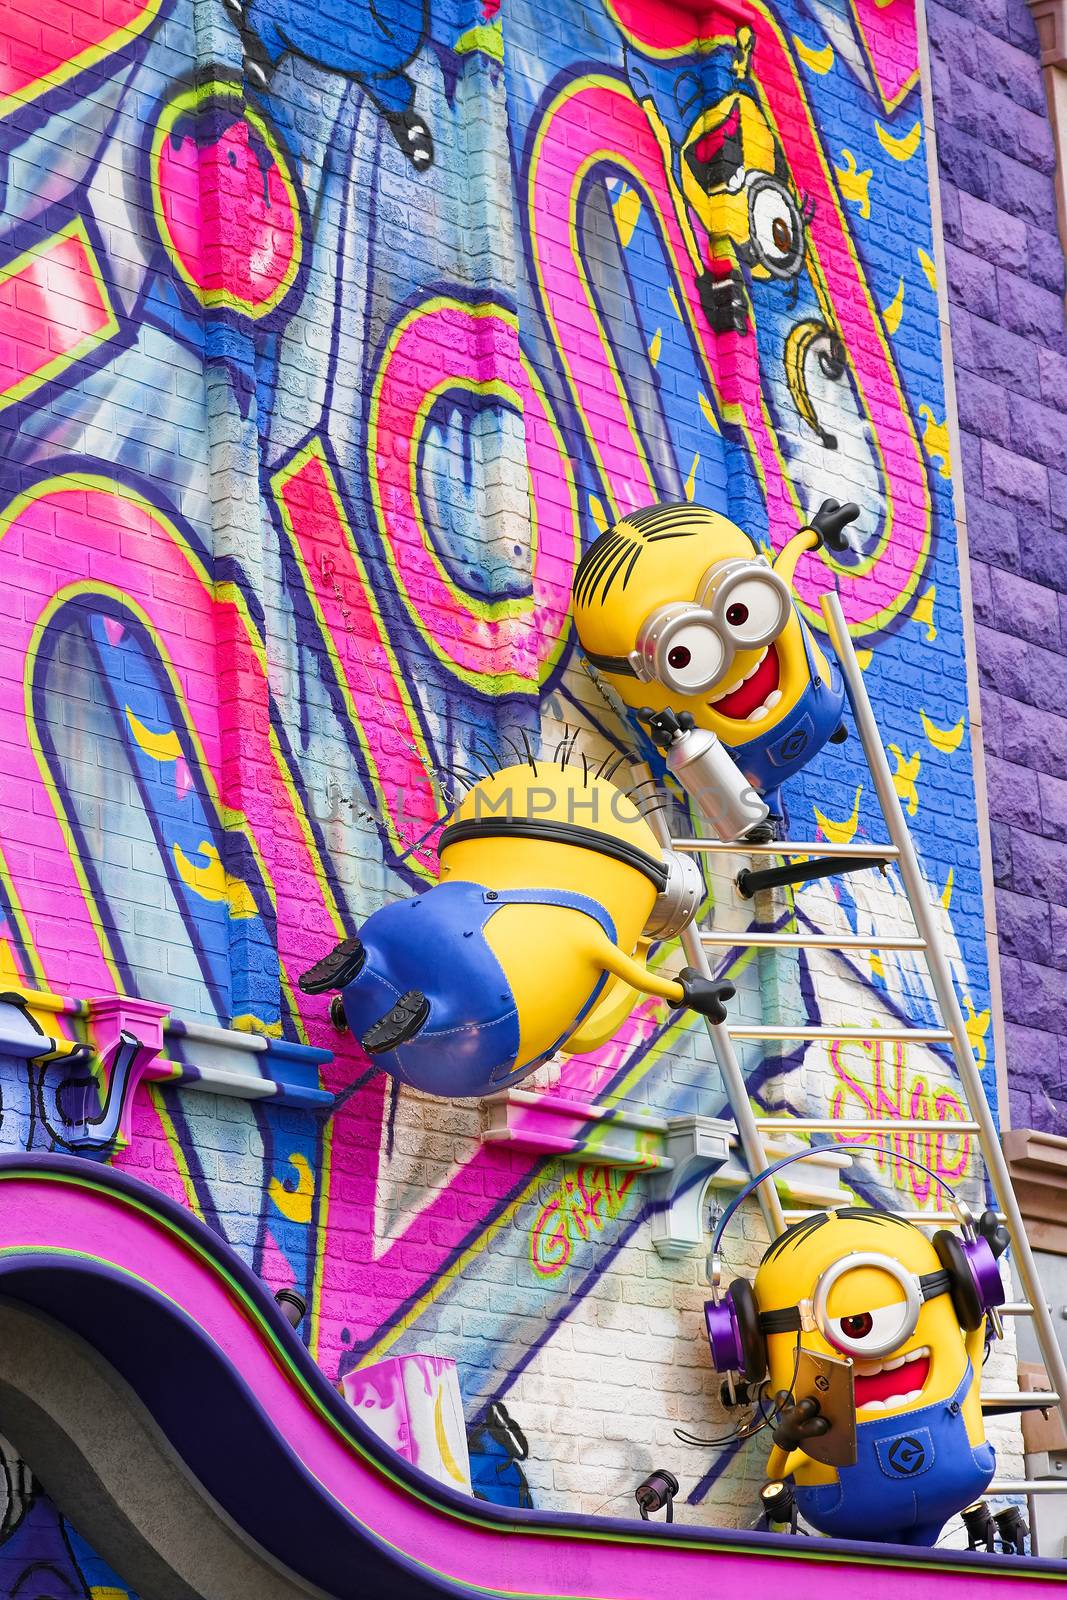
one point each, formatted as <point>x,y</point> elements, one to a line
<point>398,1025</point>
<point>335,970</point>
<point>337,1014</point>
<point>760,833</point>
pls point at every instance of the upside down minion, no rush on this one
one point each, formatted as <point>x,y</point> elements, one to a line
<point>550,878</point>
<point>677,609</point>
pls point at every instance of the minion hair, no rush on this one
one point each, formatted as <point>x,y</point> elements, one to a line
<point>529,753</point>
<point>615,765</point>
<point>618,551</point>
<point>476,755</point>
<point>513,746</point>
<point>800,1231</point>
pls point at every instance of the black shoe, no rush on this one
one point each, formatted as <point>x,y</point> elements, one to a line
<point>839,735</point>
<point>398,1025</point>
<point>335,970</point>
<point>337,1014</point>
<point>765,832</point>
<point>723,302</point>
<point>413,136</point>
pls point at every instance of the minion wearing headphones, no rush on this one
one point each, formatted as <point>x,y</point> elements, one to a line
<point>870,1336</point>
<point>552,885</point>
<point>677,609</point>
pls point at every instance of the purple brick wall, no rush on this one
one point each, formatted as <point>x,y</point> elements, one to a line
<point>1005,284</point>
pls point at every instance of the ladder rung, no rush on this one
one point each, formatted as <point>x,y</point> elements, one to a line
<point>1016,1308</point>
<point>861,1125</point>
<point>1020,1399</point>
<point>807,941</point>
<point>862,852</point>
<point>861,1035</point>
<point>1026,1486</point>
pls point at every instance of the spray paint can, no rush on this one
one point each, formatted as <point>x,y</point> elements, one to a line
<point>699,761</point>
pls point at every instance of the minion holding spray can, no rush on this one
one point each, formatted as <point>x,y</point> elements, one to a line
<point>552,882</point>
<point>679,612</point>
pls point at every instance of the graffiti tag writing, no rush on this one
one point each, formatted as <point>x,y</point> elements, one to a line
<point>584,1200</point>
<point>884,1087</point>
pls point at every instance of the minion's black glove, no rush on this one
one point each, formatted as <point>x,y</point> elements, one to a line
<point>831,520</point>
<point>994,1232</point>
<point>704,995</point>
<point>797,1422</point>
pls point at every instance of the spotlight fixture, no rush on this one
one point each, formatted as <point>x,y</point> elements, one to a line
<point>655,1492</point>
<point>1013,1530</point>
<point>777,1501</point>
<point>981,1531</point>
<point>291,1305</point>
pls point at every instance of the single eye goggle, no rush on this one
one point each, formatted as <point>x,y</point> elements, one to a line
<point>688,646</point>
<point>865,1334</point>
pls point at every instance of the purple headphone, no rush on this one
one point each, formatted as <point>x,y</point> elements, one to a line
<point>737,1330</point>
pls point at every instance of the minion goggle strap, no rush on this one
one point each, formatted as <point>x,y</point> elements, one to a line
<point>866,1335</point>
<point>571,833</point>
<point>688,646</point>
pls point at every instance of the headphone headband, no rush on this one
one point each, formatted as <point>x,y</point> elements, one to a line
<point>960,1207</point>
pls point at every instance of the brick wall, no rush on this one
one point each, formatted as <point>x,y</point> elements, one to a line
<point>1005,283</point>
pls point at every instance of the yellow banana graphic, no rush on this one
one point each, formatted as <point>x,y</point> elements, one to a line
<point>800,343</point>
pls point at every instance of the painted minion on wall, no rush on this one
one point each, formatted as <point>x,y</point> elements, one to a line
<point>871,1337</point>
<point>551,879</point>
<point>726,162</point>
<point>678,610</point>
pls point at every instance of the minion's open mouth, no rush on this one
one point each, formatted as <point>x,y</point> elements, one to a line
<point>754,696</point>
<point>881,1384</point>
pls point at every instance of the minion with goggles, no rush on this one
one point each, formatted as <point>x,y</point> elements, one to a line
<point>551,879</point>
<point>905,1316</point>
<point>677,609</point>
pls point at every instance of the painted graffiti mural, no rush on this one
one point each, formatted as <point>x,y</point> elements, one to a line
<point>324,353</point>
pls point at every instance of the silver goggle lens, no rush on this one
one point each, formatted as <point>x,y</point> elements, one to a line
<point>681,648</point>
<point>750,602</point>
<point>867,1334</point>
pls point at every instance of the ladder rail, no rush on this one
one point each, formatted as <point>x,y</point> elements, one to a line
<point>725,1055</point>
<point>945,991</point>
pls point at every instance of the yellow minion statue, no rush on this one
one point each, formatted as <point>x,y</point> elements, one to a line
<point>870,1336</point>
<point>680,613</point>
<point>552,883</point>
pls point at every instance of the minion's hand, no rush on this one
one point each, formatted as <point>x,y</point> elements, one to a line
<point>704,995</point>
<point>797,1422</point>
<point>830,522</point>
<point>994,1233</point>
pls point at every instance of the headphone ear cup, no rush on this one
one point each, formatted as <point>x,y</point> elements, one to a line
<point>966,1299</point>
<point>753,1344</point>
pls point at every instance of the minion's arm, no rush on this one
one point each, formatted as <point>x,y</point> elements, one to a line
<point>637,975</point>
<point>690,988</point>
<point>785,563</point>
<point>783,1463</point>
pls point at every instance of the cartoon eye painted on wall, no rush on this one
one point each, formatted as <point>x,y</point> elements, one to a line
<point>755,612</point>
<point>869,1332</point>
<point>694,656</point>
<point>776,228</point>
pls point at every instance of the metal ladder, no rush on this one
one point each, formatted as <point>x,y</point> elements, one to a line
<point>927,942</point>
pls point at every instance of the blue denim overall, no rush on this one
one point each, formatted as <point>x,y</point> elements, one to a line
<point>436,942</point>
<point>913,1472</point>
